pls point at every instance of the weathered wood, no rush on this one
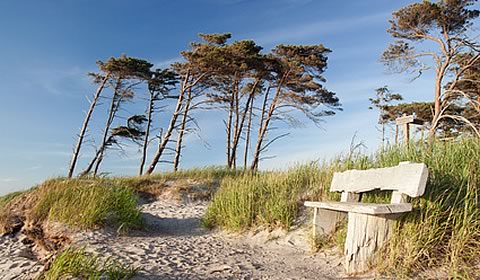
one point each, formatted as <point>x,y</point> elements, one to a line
<point>369,224</point>
<point>406,133</point>
<point>404,120</point>
<point>366,234</point>
<point>398,197</point>
<point>325,221</point>
<point>350,197</point>
<point>408,179</point>
<point>362,208</point>
<point>408,120</point>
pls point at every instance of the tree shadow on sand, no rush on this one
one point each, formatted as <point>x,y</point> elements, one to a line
<point>156,226</point>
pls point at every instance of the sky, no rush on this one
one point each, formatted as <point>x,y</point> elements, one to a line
<point>48,47</point>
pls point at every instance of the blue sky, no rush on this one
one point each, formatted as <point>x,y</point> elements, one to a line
<point>47,47</point>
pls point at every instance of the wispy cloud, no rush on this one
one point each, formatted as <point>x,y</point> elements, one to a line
<point>315,29</point>
<point>167,62</point>
<point>8,180</point>
<point>36,167</point>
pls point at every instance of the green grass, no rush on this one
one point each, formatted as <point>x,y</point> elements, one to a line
<point>4,200</point>
<point>75,262</point>
<point>87,203</point>
<point>443,230</point>
<point>205,173</point>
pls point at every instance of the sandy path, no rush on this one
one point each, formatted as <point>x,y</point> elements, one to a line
<point>175,246</point>
<point>16,259</point>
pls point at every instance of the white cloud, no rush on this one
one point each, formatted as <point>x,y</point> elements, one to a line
<point>315,29</point>
<point>8,180</point>
<point>167,62</point>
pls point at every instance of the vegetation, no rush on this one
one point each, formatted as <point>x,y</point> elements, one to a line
<point>77,263</point>
<point>4,200</point>
<point>437,36</point>
<point>255,89</point>
<point>79,203</point>
<point>444,229</point>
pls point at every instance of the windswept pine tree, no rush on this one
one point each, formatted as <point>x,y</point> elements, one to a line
<point>160,85</point>
<point>100,79</point>
<point>125,74</point>
<point>198,65</point>
<point>436,36</point>
<point>295,84</point>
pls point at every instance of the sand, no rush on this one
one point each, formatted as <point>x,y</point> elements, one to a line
<point>175,246</point>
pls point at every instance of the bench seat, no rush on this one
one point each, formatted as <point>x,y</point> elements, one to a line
<point>369,224</point>
<point>362,208</point>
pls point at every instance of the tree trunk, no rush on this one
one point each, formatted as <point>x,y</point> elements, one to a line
<point>438,98</point>
<point>181,132</point>
<point>240,123</point>
<point>171,126</point>
<point>83,130</point>
<point>264,123</point>
<point>229,129</point>
<point>256,153</point>
<point>111,115</point>
<point>247,137</point>
<point>147,134</point>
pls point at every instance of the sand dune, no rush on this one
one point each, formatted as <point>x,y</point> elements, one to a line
<point>175,246</point>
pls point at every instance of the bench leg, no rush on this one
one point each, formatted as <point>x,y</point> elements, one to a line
<point>325,221</point>
<point>365,236</point>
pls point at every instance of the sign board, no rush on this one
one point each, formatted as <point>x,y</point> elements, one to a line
<point>408,120</point>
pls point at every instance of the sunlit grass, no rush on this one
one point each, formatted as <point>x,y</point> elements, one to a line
<point>443,230</point>
<point>76,263</point>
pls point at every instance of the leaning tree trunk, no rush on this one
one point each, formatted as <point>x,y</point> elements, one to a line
<point>181,132</point>
<point>83,130</point>
<point>239,125</point>
<point>111,115</point>
<point>265,122</point>
<point>171,127</point>
<point>147,134</point>
<point>247,137</point>
<point>438,98</point>
<point>229,129</point>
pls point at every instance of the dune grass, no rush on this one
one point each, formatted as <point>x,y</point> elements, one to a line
<point>443,230</point>
<point>80,203</point>
<point>5,199</point>
<point>205,173</point>
<point>87,203</point>
<point>77,263</point>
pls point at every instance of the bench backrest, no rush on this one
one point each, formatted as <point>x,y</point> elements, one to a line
<point>406,178</point>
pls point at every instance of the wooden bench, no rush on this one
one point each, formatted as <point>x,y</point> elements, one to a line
<point>369,225</point>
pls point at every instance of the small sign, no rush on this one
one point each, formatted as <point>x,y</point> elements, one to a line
<point>405,120</point>
<point>408,120</point>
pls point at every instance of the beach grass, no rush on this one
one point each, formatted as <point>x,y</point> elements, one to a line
<point>442,231</point>
<point>76,263</point>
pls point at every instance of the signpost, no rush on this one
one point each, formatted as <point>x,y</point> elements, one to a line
<point>406,121</point>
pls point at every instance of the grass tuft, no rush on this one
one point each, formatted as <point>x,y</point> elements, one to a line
<point>87,203</point>
<point>76,263</point>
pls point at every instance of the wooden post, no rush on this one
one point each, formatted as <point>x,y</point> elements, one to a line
<point>406,133</point>
<point>396,134</point>
<point>406,121</point>
<point>325,221</point>
<point>365,235</point>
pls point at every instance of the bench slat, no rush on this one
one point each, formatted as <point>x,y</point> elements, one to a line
<point>406,178</point>
<point>363,208</point>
